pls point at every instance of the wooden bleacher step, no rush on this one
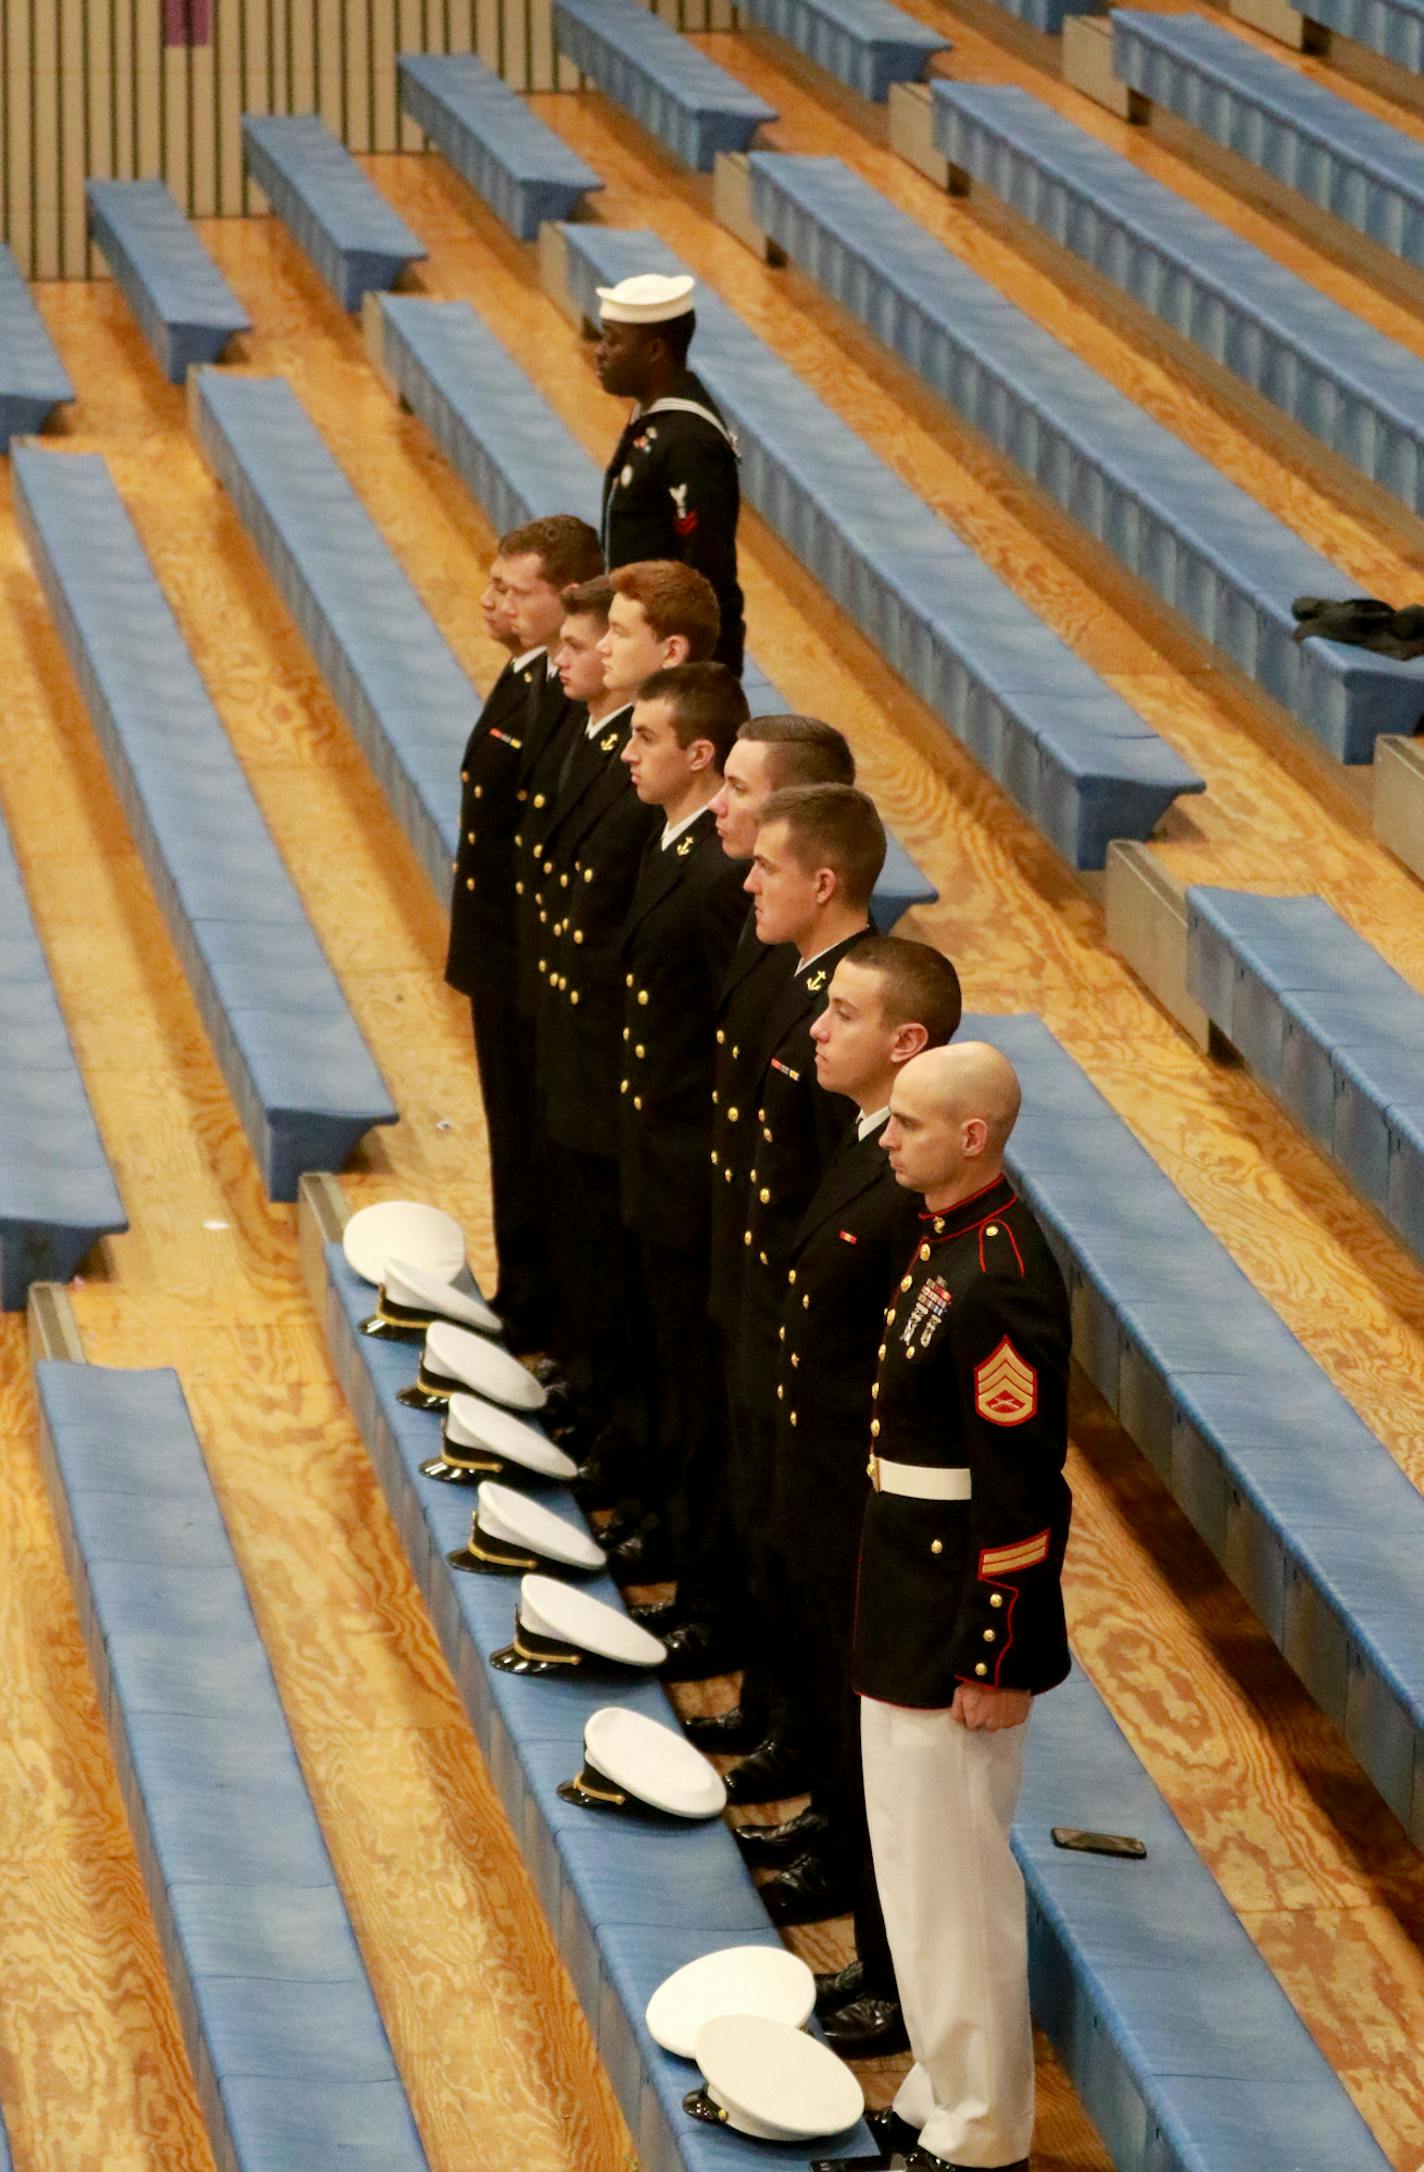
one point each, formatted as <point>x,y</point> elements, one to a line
<point>693,107</point>
<point>337,217</point>
<point>516,165</point>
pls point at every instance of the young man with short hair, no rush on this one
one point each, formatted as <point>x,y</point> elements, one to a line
<point>681,930</point>
<point>590,854</point>
<point>887,1001</point>
<point>671,490</point>
<point>524,712</point>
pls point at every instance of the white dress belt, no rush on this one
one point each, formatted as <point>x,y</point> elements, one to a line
<point>920,1481</point>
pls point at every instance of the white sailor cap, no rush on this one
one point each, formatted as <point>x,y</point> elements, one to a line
<point>769,2080</point>
<point>509,1533</point>
<point>411,1299</point>
<point>479,1441</point>
<point>406,1229</point>
<point>453,1359</point>
<point>631,1762</point>
<point>558,1630</point>
<point>764,1980</point>
<point>650,298</point>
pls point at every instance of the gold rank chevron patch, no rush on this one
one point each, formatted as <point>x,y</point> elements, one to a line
<point>1008,1560</point>
<point>1005,1388</point>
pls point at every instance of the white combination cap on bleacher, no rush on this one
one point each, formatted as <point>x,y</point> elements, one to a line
<point>558,1629</point>
<point>455,1361</point>
<point>631,1762</point>
<point>425,1237</point>
<point>774,2082</point>
<point>650,298</point>
<point>764,1980</point>
<point>509,1533</point>
<point>413,1294</point>
<point>479,1441</point>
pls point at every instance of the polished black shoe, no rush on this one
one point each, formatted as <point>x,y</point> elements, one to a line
<point>697,1650</point>
<point>770,1846</point>
<point>921,2159</point>
<point>867,2028</point>
<point>645,1556</point>
<point>725,1734</point>
<point>774,1770</point>
<point>840,1987</point>
<point>627,1518</point>
<point>657,1616</point>
<point>809,1890</point>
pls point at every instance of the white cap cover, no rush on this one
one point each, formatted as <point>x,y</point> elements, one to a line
<point>405,1229</point>
<point>453,1353</point>
<point>417,1291</point>
<point>512,1519</point>
<point>469,1423</point>
<point>565,1615</point>
<point>775,2082</point>
<point>764,1980</point>
<point>653,1762</point>
<point>650,298</point>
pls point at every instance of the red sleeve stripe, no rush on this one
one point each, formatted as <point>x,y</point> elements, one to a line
<point>1007,1560</point>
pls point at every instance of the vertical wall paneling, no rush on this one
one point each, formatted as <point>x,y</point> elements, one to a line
<point>514,42</point>
<point>227,105</point>
<point>306,31</point>
<point>355,61</point>
<point>174,108</point>
<point>203,110</point>
<point>73,132</point>
<point>489,42</point>
<point>460,36</point>
<point>100,153</point>
<point>410,38</point>
<point>45,140</point>
<point>543,68</point>
<point>385,124</point>
<point>19,192</point>
<point>148,88</point>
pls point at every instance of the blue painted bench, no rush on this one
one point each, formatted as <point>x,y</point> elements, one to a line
<point>1082,765</point>
<point>185,308</point>
<point>1208,549</point>
<point>1362,171</point>
<point>288,2051</point>
<point>33,379</point>
<point>1356,391</point>
<point>57,1192</point>
<point>1392,28</point>
<point>519,461</point>
<point>1306,1510</point>
<point>302,1078</point>
<point>867,44</point>
<point>520,168</point>
<point>336,216</point>
<point>1182,2045</point>
<point>693,107</point>
<point>1322,1020</point>
<point>391,671</point>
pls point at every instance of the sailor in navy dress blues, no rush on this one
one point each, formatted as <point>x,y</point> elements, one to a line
<point>959,1619</point>
<point>671,489</point>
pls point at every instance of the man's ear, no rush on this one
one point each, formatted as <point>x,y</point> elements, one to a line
<point>675,650</point>
<point>700,754</point>
<point>827,884</point>
<point>910,1040</point>
<point>976,1136</point>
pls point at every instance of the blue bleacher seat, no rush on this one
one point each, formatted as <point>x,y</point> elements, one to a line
<point>1392,28</point>
<point>185,308</point>
<point>1183,2047</point>
<point>33,379</point>
<point>301,1076</point>
<point>1364,172</point>
<point>337,217</point>
<point>1356,391</point>
<point>520,461</point>
<point>390,670</point>
<point>1328,1026</point>
<point>271,1992</point>
<point>1082,765</point>
<point>1306,1510</point>
<point>693,107</point>
<point>1207,548</point>
<point>516,165</point>
<point>867,44</point>
<point>57,1192</point>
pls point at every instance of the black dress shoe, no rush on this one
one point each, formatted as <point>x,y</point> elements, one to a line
<point>657,1616</point>
<point>725,1734</point>
<point>867,2028</point>
<point>773,1845</point>
<point>921,2159</point>
<point>628,1517</point>
<point>774,1770</point>
<point>697,1650</point>
<point>809,1890</point>
<point>645,1556</point>
<point>892,2132</point>
<point>840,1987</point>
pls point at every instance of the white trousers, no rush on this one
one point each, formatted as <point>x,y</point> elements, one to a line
<point>940,1801</point>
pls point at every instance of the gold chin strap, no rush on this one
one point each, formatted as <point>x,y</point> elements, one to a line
<point>600,1794</point>
<point>502,1561</point>
<point>548,1659</point>
<point>469,1463</point>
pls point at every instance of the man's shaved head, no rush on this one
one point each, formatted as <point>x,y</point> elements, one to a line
<point>951,1113</point>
